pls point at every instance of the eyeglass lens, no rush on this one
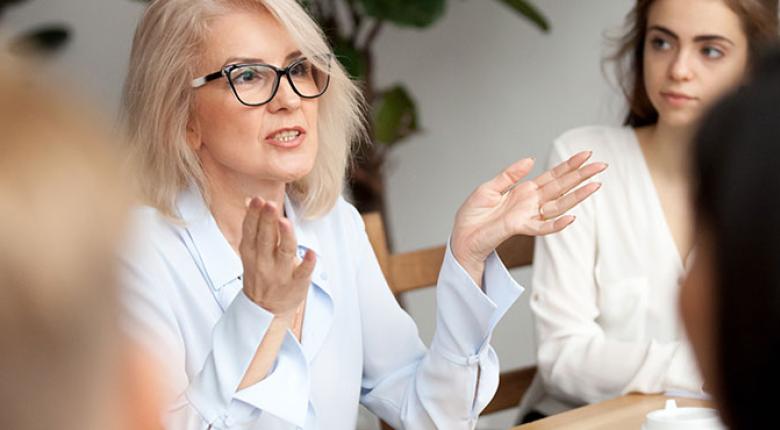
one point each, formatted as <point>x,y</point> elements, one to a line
<point>255,84</point>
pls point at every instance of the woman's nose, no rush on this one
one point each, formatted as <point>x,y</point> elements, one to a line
<point>286,98</point>
<point>680,69</point>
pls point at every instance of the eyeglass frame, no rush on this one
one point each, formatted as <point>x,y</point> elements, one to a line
<point>285,71</point>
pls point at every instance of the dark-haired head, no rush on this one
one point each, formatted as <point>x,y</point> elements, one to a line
<point>731,301</point>
<point>759,22</point>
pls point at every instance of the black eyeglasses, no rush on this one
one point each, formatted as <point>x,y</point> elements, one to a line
<point>257,84</point>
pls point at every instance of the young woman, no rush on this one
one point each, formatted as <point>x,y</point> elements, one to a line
<point>254,278</point>
<point>605,291</point>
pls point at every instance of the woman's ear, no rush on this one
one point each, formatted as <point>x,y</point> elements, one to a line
<point>193,135</point>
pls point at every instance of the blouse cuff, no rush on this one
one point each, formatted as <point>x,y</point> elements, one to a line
<point>467,315</point>
<point>236,338</point>
<point>284,392</point>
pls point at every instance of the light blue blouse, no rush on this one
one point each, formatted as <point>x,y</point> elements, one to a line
<point>184,300</point>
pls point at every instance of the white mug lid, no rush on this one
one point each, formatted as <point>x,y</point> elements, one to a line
<point>673,416</point>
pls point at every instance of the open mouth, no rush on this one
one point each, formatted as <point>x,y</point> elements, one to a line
<point>286,136</point>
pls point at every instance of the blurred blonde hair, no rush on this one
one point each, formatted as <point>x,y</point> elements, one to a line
<point>158,99</point>
<point>63,210</point>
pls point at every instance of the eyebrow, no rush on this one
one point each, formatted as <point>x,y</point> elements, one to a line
<point>699,38</point>
<point>233,60</point>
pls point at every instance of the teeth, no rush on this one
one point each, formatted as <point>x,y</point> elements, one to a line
<point>287,136</point>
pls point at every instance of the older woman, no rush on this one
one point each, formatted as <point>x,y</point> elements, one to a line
<point>251,272</point>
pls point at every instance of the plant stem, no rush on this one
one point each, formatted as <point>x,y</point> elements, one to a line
<point>373,33</point>
<point>356,20</point>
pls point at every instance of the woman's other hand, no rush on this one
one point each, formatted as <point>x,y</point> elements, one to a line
<point>274,277</point>
<point>504,207</point>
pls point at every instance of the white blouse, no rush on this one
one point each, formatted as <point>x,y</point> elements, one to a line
<point>605,289</point>
<point>185,300</point>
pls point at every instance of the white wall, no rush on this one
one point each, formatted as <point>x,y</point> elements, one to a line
<point>490,89</point>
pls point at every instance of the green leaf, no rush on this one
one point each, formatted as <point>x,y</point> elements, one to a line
<point>350,58</point>
<point>529,11</point>
<point>405,13</point>
<point>4,3</point>
<point>45,39</point>
<point>307,4</point>
<point>395,116</point>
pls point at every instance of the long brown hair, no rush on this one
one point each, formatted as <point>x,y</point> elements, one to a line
<point>735,159</point>
<point>759,22</point>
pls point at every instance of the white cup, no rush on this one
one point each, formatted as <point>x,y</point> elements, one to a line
<point>674,418</point>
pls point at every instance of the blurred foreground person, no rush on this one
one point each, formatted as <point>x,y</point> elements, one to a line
<point>730,301</point>
<point>62,210</point>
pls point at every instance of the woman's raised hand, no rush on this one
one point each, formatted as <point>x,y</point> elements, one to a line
<point>274,277</point>
<point>504,207</point>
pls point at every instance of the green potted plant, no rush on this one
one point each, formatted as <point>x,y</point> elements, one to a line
<point>43,39</point>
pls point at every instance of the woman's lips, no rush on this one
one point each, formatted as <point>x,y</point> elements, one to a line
<point>677,99</point>
<point>286,137</point>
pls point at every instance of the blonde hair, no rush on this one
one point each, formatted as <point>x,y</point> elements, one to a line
<point>158,99</point>
<point>63,210</point>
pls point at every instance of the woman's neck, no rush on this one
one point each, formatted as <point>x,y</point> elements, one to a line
<point>228,199</point>
<point>666,148</point>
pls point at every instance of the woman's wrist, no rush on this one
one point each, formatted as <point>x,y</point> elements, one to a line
<point>279,310</point>
<point>474,266</point>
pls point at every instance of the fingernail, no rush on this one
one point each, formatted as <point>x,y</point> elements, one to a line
<point>247,201</point>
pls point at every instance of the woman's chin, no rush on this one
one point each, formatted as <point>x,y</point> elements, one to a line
<point>291,169</point>
<point>680,118</point>
<point>293,176</point>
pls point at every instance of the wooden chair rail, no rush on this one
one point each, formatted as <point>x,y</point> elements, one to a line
<point>511,388</point>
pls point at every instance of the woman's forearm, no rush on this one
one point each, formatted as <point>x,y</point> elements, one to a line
<point>266,352</point>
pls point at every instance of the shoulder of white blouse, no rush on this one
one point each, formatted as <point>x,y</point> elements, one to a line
<point>152,231</point>
<point>607,143</point>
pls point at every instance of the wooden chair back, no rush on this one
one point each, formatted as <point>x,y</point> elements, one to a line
<point>409,271</point>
